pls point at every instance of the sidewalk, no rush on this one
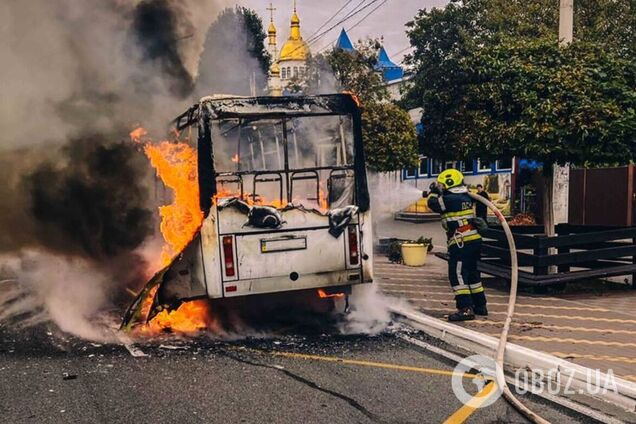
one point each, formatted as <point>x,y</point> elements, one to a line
<point>594,328</point>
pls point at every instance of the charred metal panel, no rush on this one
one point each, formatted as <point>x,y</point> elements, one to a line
<point>205,164</point>
<point>184,277</point>
<point>211,255</point>
<point>270,107</point>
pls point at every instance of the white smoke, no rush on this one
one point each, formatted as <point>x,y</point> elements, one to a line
<point>370,310</point>
<point>67,291</point>
<point>74,67</point>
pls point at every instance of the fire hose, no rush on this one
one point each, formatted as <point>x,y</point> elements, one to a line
<point>503,338</point>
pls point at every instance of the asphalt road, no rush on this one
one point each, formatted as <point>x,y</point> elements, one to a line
<point>46,377</point>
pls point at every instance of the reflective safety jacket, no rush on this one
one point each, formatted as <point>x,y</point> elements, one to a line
<point>457,211</point>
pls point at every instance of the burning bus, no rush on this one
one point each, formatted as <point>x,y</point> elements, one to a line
<point>284,199</point>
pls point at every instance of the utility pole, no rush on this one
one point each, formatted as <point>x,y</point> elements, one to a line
<point>561,176</point>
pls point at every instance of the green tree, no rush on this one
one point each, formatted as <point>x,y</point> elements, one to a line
<point>234,57</point>
<point>493,83</point>
<point>389,135</point>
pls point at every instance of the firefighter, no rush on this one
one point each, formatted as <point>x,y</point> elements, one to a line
<point>449,197</point>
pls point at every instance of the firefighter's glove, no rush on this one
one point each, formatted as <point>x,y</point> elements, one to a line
<point>434,188</point>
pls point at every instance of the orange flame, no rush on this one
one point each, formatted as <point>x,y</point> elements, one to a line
<point>323,294</point>
<point>235,158</point>
<point>176,165</point>
<point>190,317</point>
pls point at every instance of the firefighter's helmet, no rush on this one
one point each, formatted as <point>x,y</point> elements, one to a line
<point>451,178</point>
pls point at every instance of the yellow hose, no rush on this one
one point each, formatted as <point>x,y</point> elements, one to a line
<point>503,338</point>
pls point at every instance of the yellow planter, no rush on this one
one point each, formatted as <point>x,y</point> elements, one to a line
<point>414,254</point>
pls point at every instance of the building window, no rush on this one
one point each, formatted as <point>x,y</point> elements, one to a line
<point>437,166</point>
<point>410,173</point>
<point>468,166</point>
<point>302,72</point>
<point>423,169</point>
<point>284,73</point>
<point>451,164</point>
<point>504,165</point>
<point>295,71</point>
<point>484,166</point>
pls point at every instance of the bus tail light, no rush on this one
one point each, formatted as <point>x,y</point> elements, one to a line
<point>354,255</point>
<point>228,256</point>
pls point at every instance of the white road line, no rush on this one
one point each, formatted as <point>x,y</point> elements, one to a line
<point>577,407</point>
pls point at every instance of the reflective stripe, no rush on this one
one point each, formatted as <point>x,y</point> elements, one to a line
<point>463,213</point>
<point>457,218</point>
<point>466,238</point>
<point>460,287</point>
<point>441,203</point>
<point>458,272</point>
<point>462,292</point>
<point>475,286</point>
<point>475,291</point>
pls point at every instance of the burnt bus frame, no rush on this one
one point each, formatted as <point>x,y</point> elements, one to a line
<point>284,108</point>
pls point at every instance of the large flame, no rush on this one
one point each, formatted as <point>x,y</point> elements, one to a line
<point>176,165</point>
<point>190,317</point>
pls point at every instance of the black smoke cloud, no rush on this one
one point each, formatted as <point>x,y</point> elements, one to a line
<point>93,203</point>
<point>76,189</point>
<point>158,31</point>
<point>77,76</point>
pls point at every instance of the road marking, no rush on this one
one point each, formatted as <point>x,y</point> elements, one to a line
<point>526,305</point>
<point>569,356</point>
<point>565,340</point>
<point>373,364</point>
<point>567,317</point>
<point>558,400</point>
<point>556,327</point>
<point>463,413</point>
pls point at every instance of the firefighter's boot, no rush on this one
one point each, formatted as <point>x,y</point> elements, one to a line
<point>464,314</point>
<point>481,310</point>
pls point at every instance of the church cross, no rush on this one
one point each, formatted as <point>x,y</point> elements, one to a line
<point>271,9</point>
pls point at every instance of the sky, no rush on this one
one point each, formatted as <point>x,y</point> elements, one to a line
<point>387,21</point>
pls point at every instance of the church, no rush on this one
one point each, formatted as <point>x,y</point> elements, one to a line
<point>289,64</point>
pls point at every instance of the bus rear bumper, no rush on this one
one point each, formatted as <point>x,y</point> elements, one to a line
<point>291,283</point>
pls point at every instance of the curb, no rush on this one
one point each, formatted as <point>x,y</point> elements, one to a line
<point>519,357</point>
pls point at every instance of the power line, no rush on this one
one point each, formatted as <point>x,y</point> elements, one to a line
<point>346,18</point>
<point>348,15</point>
<point>367,15</point>
<point>331,18</point>
<point>357,23</point>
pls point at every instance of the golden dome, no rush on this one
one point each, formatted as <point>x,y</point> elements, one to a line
<point>274,69</point>
<point>272,29</point>
<point>295,47</point>
<point>294,50</point>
